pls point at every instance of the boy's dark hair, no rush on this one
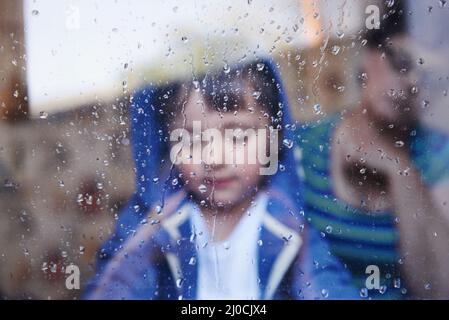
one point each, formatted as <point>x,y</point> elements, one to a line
<point>393,22</point>
<point>224,91</point>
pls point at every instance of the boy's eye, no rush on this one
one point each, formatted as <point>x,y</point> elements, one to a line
<point>239,139</point>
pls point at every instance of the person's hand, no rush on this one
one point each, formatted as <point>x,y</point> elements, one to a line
<point>365,165</point>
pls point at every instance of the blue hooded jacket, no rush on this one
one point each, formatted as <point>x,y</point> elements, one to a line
<point>149,255</point>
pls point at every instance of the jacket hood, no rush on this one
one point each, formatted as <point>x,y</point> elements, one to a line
<point>150,152</point>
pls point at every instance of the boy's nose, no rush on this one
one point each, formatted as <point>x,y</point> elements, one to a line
<point>212,166</point>
<point>212,154</point>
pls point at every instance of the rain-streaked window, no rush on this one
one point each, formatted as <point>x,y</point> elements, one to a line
<point>214,150</point>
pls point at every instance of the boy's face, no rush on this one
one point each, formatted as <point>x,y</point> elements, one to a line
<point>391,85</point>
<point>220,184</point>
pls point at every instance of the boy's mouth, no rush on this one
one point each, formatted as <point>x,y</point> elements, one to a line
<point>220,183</point>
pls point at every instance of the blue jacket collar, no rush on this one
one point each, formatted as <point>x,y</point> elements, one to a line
<point>279,245</point>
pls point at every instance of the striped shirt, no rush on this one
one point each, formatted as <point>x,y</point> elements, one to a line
<point>357,237</point>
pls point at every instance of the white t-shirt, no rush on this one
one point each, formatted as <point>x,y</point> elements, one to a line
<point>228,269</point>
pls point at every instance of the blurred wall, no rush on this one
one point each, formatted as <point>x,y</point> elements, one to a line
<point>71,174</point>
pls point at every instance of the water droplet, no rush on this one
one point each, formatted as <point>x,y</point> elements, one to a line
<point>325,293</point>
<point>329,229</point>
<point>202,188</point>
<point>196,85</point>
<point>82,250</point>
<point>317,108</point>
<point>341,89</point>
<point>336,50</point>
<point>43,115</point>
<point>179,282</point>
<point>364,76</point>
<point>260,66</point>
<point>364,292</point>
<point>256,94</point>
<point>288,143</point>
<point>399,144</point>
<point>390,3</point>
<point>35,12</point>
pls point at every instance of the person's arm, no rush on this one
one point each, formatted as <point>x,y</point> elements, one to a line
<point>424,235</point>
<point>423,226</point>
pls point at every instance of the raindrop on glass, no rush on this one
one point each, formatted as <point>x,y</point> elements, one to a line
<point>325,293</point>
<point>256,94</point>
<point>288,143</point>
<point>336,50</point>
<point>202,188</point>
<point>364,292</point>
<point>192,261</point>
<point>43,115</point>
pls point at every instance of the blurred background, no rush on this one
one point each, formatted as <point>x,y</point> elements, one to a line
<point>67,73</point>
